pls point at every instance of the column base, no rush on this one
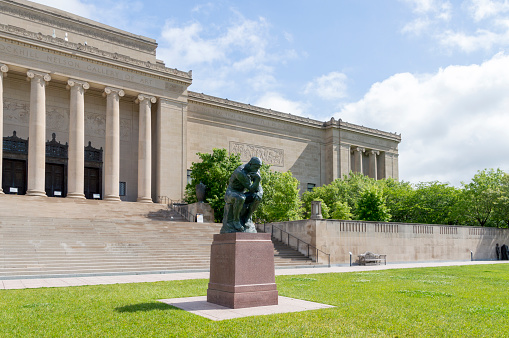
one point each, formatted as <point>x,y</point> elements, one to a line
<point>112,198</point>
<point>1,191</point>
<point>36,193</point>
<point>76,195</point>
<point>144,200</point>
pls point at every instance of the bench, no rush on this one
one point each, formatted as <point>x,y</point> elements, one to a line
<point>372,258</point>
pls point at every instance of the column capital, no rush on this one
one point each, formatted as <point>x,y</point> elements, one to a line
<point>3,68</point>
<point>33,74</point>
<point>358,149</point>
<point>72,83</point>
<point>374,152</point>
<point>114,91</point>
<point>149,98</point>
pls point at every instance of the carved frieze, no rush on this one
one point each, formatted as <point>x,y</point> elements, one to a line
<point>95,124</point>
<point>81,29</point>
<point>57,119</point>
<point>16,112</point>
<point>271,156</point>
<point>186,76</point>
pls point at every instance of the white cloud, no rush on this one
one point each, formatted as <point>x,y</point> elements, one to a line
<point>453,122</point>
<point>482,9</point>
<point>331,86</point>
<point>276,101</point>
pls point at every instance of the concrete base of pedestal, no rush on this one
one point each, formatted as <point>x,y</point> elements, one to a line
<point>242,271</point>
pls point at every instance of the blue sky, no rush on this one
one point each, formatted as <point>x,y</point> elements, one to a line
<point>435,71</point>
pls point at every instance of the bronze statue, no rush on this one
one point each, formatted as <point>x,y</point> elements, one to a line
<point>242,197</point>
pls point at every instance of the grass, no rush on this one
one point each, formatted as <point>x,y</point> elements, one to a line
<point>467,301</point>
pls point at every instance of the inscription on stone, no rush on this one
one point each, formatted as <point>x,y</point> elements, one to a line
<point>271,156</point>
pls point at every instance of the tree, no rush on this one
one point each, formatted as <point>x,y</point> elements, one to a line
<point>214,171</point>
<point>479,197</point>
<point>501,212</point>
<point>371,206</point>
<point>398,196</point>
<point>341,210</point>
<point>281,200</point>
<point>434,203</point>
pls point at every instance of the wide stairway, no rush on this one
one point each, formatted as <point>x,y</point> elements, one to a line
<point>59,236</point>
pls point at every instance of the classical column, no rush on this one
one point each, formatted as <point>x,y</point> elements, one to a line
<point>37,133</point>
<point>373,170</point>
<point>112,146</point>
<point>358,159</point>
<point>76,164</point>
<point>145,149</point>
<point>3,69</point>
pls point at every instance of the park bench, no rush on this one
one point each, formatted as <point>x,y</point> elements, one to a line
<point>372,258</point>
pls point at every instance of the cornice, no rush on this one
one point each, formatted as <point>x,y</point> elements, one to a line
<point>71,23</point>
<point>73,47</point>
<point>233,105</point>
<point>354,127</point>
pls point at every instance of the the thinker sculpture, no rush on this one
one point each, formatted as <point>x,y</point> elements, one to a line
<point>242,197</point>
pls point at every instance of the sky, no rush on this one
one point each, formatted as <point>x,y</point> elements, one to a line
<point>434,71</point>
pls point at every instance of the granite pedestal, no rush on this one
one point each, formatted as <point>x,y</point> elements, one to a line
<point>242,271</point>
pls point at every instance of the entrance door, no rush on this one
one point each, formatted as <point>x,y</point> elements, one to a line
<point>92,182</point>
<point>14,176</point>
<point>55,180</point>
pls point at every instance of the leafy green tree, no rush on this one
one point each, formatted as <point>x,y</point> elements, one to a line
<point>398,196</point>
<point>479,197</point>
<point>371,206</point>
<point>347,190</point>
<point>501,212</point>
<point>214,171</point>
<point>341,210</point>
<point>281,199</point>
<point>434,203</point>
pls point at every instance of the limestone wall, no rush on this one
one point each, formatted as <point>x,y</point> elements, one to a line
<point>401,242</point>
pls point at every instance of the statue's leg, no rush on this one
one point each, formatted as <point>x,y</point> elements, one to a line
<point>255,200</point>
<point>238,203</point>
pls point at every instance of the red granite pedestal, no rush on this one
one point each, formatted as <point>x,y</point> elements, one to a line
<point>242,271</point>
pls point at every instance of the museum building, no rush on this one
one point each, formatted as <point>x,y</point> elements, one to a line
<point>88,111</point>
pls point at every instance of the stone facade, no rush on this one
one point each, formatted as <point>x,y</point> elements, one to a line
<point>91,84</point>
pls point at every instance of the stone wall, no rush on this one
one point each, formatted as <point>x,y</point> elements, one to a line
<point>401,242</point>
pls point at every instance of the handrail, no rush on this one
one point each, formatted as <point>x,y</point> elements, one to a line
<point>180,207</point>
<point>288,235</point>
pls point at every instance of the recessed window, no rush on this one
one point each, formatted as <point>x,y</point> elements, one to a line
<point>311,186</point>
<point>122,189</point>
<point>189,179</point>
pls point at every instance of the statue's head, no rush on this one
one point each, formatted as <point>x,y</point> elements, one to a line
<point>254,164</point>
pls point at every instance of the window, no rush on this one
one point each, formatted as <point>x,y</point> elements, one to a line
<point>311,186</point>
<point>189,179</point>
<point>122,189</point>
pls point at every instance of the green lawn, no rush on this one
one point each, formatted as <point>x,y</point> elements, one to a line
<point>469,301</point>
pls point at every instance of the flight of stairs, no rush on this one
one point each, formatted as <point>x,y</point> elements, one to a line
<point>59,236</point>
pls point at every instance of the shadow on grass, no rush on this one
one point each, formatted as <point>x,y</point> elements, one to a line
<point>145,307</point>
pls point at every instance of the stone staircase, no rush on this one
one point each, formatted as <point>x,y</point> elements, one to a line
<point>59,236</point>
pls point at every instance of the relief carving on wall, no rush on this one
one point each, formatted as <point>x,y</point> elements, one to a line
<point>16,112</point>
<point>271,156</point>
<point>57,119</point>
<point>95,126</point>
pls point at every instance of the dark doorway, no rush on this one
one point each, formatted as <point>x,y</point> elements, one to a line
<point>14,176</point>
<point>55,184</point>
<point>92,182</point>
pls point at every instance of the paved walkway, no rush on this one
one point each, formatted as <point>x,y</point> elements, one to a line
<point>30,283</point>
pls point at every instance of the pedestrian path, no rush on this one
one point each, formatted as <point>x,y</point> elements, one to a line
<point>148,278</point>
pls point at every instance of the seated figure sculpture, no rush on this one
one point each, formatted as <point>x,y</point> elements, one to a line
<point>242,197</point>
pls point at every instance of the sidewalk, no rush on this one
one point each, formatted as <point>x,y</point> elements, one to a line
<point>144,278</point>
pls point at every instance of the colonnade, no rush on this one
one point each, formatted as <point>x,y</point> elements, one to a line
<point>76,154</point>
<point>357,165</point>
